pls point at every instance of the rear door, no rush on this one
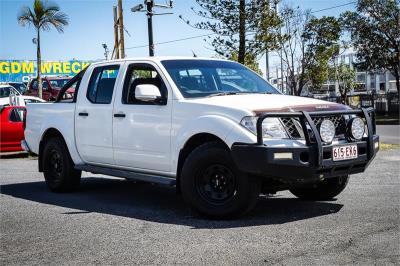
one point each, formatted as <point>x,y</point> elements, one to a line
<point>94,114</point>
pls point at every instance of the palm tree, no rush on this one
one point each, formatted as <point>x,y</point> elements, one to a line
<point>42,17</point>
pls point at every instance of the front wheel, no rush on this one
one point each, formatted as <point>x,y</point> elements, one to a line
<point>58,168</point>
<point>213,186</point>
<point>326,190</point>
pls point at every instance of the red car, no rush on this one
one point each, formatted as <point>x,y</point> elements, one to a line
<point>51,87</point>
<point>11,128</point>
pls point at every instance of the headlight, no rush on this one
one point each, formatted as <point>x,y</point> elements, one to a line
<point>327,130</point>
<point>357,128</point>
<point>271,127</point>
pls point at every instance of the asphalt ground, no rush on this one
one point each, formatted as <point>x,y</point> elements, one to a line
<point>389,134</point>
<point>117,222</point>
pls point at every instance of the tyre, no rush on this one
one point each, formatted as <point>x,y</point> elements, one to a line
<point>326,190</point>
<point>58,168</point>
<point>213,186</point>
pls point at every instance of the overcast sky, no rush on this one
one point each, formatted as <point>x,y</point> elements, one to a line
<point>91,24</point>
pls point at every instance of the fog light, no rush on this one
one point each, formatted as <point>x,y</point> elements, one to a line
<point>327,131</point>
<point>283,156</point>
<point>357,128</point>
<point>376,145</point>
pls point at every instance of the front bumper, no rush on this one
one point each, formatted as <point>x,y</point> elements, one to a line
<point>308,163</point>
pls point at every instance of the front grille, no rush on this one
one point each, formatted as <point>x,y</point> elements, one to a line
<point>294,130</point>
<point>291,128</point>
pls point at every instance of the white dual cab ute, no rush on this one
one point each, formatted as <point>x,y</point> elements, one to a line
<point>213,128</point>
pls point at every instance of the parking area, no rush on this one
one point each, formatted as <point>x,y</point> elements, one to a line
<point>114,221</point>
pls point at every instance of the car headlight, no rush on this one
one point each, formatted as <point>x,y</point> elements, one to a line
<point>327,130</point>
<point>357,128</point>
<point>271,127</point>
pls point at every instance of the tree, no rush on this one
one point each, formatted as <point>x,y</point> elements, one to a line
<point>375,35</point>
<point>42,17</point>
<point>240,26</point>
<point>307,45</point>
<point>345,77</point>
<point>250,61</point>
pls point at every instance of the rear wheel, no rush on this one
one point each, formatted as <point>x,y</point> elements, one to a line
<point>326,190</point>
<point>213,186</point>
<point>58,168</point>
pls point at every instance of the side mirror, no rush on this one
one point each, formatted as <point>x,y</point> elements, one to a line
<point>148,93</point>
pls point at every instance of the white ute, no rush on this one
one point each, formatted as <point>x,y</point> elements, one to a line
<point>213,128</point>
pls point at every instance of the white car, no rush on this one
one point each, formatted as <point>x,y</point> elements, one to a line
<point>11,96</point>
<point>213,128</point>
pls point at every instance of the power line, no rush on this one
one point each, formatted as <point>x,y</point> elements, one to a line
<point>204,35</point>
<point>172,41</point>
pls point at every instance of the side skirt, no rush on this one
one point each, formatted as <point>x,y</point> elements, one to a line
<point>162,180</point>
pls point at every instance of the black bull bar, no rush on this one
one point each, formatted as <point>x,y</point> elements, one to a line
<point>256,158</point>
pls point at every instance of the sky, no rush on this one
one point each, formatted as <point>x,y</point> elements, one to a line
<point>91,25</point>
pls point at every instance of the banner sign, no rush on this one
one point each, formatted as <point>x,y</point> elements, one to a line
<point>22,71</point>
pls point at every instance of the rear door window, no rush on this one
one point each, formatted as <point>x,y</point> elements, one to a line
<point>101,84</point>
<point>17,115</point>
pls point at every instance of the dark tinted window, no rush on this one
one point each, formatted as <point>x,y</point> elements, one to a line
<point>141,74</point>
<point>17,115</point>
<point>5,91</point>
<point>101,84</point>
<point>45,85</point>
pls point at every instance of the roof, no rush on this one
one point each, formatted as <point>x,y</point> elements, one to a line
<point>158,59</point>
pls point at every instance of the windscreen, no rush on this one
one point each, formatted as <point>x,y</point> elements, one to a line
<point>200,78</point>
<point>6,91</point>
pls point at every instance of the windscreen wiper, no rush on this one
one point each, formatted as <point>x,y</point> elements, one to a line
<point>226,93</point>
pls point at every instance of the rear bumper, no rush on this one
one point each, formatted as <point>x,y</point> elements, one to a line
<point>302,167</point>
<point>308,163</point>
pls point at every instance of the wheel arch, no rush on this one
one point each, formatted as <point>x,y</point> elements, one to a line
<point>192,143</point>
<point>48,134</point>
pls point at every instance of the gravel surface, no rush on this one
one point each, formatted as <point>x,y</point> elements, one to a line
<point>112,221</point>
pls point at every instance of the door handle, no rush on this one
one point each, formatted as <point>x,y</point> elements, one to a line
<point>119,115</point>
<point>83,114</point>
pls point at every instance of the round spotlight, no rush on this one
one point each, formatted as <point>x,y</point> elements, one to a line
<point>327,131</point>
<point>357,128</point>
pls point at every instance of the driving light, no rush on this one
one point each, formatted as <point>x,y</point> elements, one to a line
<point>271,127</point>
<point>327,131</point>
<point>357,128</point>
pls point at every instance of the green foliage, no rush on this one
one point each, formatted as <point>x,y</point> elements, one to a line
<point>345,76</point>
<point>42,16</point>
<point>238,25</point>
<point>375,35</point>
<point>250,61</point>
<point>321,39</point>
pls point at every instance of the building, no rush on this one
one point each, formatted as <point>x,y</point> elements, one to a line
<point>366,82</point>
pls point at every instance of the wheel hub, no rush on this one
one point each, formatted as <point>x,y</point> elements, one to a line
<point>216,184</point>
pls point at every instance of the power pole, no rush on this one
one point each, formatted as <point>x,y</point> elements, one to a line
<point>150,13</point>
<point>121,29</point>
<point>106,51</point>
<point>149,8</point>
<point>116,38</point>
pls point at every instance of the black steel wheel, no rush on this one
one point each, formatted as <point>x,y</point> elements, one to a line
<point>213,186</point>
<point>216,184</point>
<point>58,168</point>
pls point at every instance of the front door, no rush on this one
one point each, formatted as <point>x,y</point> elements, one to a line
<point>142,129</point>
<point>94,115</point>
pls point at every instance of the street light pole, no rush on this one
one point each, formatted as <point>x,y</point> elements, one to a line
<point>149,8</point>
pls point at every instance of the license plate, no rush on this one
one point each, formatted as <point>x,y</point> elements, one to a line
<point>346,152</point>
